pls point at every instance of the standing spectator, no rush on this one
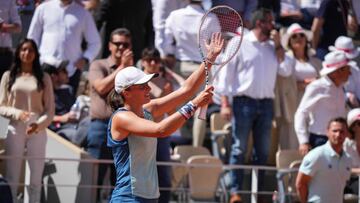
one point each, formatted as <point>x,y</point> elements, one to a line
<point>136,16</point>
<point>59,28</point>
<point>161,10</point>
<point>180,40</point>
<point>307,66</point>
<point>352,87</point>
<point>27,99</point>
<point>290,89</point>
<point>243,7</point>
<point>324,171</point>
<point>101,76</point>
<point>324,99</point>
<point>26,9</point>
<point>9,23</point>
<point>181,49</point>
<point>250,79</point>
<point>329,23</point>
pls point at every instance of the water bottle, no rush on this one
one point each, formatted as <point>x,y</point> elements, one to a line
<point>75,110</point>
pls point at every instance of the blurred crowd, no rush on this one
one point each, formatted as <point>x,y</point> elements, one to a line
<point>295,71</point>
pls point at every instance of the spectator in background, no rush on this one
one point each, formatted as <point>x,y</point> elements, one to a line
<point>351,146</point>
<point>59,28</point>
<point>307,66</point>
<point>69,121</point>
<point>244,7</point>
<point>26,9</point>
<point>324,171</point>
<point>293,11</point>
<point>27,99</point>
<point>161,10</point>
<point>136,16</point>
<point>160,86</point>
<point>101,76</point>
<point>180,46</point>
<point>258,59</point>
<point>352,87</point>
<point>289,90</point>
<point>352,143</point>
<point>9,23</point>
<point>330,22</point>
<point>180,39</point>
<point>324,99</point>
<point>64,96</point>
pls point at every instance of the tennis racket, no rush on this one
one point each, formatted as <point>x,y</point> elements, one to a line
<point>228,22</point>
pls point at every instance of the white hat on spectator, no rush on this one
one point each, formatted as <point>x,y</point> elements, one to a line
<point>295,29</point>
<point>131,76</point>
<point>353,115</point>
<point>346,45</point>
<point>333,61</point>
<point>53,61</point>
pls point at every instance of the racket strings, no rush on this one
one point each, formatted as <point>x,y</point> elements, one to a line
<point>228,22</point>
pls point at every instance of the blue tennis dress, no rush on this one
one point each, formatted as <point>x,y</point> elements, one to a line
<point>135,164</point>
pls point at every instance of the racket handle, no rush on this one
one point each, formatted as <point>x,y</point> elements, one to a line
<point>202,114</point>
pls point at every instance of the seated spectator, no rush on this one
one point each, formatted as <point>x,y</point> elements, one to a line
<point>66,122</point>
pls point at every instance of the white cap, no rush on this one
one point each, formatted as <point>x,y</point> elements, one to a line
<point>346,45</point>
<point>53,61</point>
<point>131,76</point>
<point>333,61</point>
<point>353,116</point>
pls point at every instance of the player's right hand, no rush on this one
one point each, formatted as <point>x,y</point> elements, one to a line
<point>204,98</point>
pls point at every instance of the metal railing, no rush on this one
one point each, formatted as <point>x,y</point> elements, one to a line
<point>254,192</point>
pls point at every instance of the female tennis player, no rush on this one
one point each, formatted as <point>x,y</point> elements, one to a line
<point>132,133</point>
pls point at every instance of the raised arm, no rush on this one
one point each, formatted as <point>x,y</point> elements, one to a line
<point>192,83</point>
<point>125,123</point>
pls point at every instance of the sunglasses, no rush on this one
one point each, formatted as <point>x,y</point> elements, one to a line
<point>124,45</point>
<point>299,35</point>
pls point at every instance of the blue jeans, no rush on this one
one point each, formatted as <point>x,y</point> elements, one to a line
<point>96,147</point>
<point>250,115</point>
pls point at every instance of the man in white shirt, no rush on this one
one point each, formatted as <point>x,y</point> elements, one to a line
<point>352,87</point>
<point>249,78</point>
<point>180,38</point>
<point>59,27</point>
<point>323,99</point>
<point>324,171</point>
<point>9,23</point>
<point>161,10</point>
